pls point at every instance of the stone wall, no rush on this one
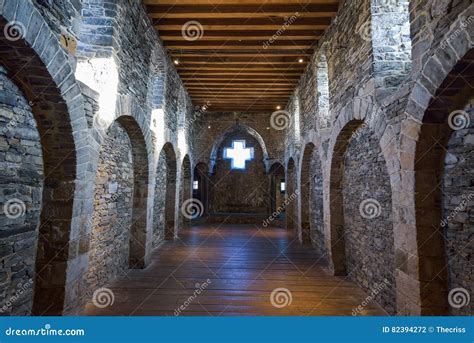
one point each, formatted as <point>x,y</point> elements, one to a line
<point>316,206</point>
<point>240,191</point>
<point>110,238</point>
<point>368,228</point>
<point>21,183</point>
<point>458,208</point>
<point>379,81</point>
<point>117,39</point>
<point>208,126</point>
<point>159,201</point>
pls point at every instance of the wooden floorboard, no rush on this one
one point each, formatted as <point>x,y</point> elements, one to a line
<point>244,265</point>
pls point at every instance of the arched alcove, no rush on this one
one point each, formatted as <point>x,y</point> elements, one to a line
<point>185,192</point>
<point>235,129</point>
<point>43,248</point>
<point>444,191</point>
<point>239,184</point>
<point>291,196</point>
<point>362,239</point>
<point>165,196</point>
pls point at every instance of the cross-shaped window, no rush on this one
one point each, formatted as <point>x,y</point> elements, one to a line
<point>238,154</point>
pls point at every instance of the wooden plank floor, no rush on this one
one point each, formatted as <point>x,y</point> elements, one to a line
<point>244,265</point>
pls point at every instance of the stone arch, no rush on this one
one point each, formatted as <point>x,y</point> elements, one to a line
<point>201,175</point>
<point>311,201</point>
<point>138,237</point>
<point>185,191</point>
<point>61,123</point>
<point>169,156</point>
<point>360,199</point>
<point>119,222</point>
<point>424,113</point>
<point>237,128</point>
<point>306,182</point>
<point>291,196</point>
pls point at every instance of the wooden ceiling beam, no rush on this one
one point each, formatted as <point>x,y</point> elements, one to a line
<point>230,63</point>
<point>238,2</point>
<point>240,10</point>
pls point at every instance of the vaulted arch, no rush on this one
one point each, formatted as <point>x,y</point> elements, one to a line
<point>238,128</point>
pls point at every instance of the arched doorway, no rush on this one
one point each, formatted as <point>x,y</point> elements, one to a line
<point>185,192</point>
<point>42,175</point>
<point>165,196</point>
<point>444,192</point>
<point>201,185</point>
<point>291,196</point>
<point>306,183</point>
<point>239,186</point>
<point>118,236</point>
<point>362,239</point>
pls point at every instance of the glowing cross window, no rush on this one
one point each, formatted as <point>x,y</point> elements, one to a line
<point>238,154</point>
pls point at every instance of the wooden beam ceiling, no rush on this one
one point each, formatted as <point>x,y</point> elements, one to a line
<point>228,57</point>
